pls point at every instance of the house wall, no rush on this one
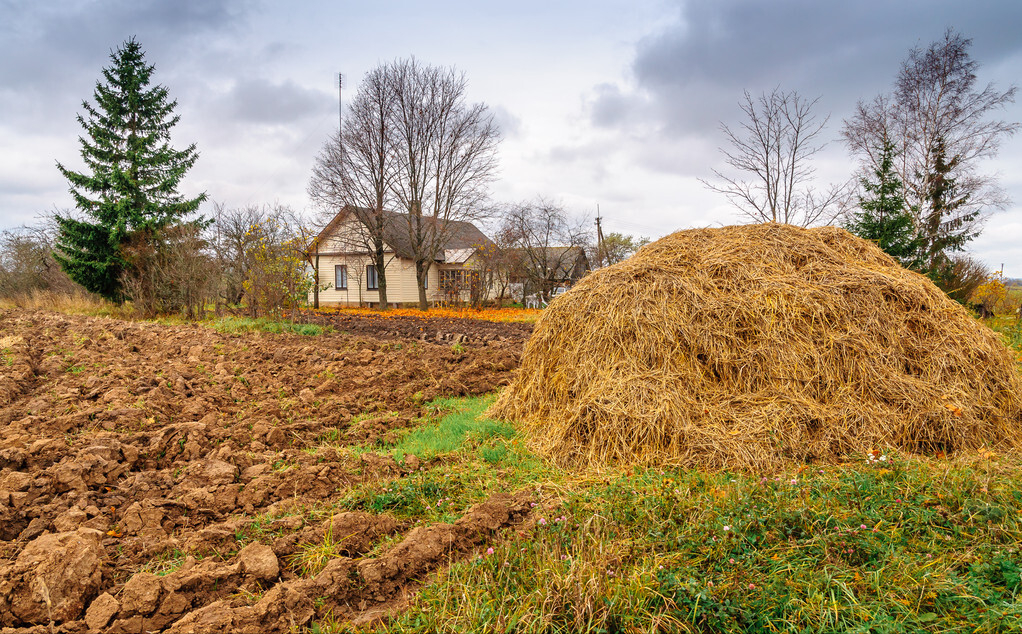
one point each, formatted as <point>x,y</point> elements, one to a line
<point>400,273</point>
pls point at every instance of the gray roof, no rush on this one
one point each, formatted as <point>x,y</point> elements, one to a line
<point>463,235</point>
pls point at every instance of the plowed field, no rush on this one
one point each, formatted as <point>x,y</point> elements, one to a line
<point>138,461</point>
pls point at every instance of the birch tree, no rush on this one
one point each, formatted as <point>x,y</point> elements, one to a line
<point>942,126</point>
<point>770,154</point>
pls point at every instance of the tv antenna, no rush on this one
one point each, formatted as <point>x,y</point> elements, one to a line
<point>340,101</point>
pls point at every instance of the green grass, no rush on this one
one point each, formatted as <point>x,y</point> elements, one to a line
<point>463,428</point>
<point>474,456</point>
<point>893,545</point>
<point>261,324</point>
<point>889,545</point>
<point>1009,327</point>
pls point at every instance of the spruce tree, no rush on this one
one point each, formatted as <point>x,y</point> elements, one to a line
<point>883,216</point>
<point>128,192</point>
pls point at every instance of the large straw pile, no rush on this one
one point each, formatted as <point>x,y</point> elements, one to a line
<point>749,346</point>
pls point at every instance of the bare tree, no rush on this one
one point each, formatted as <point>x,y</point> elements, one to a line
<point>27,264</point>
<point>494,264</point>
<point>171,271</point>
<point>618,247</point>
<point>545,244</point>
<point>355,171</point>
<point>445,150</point>
<point>772,151</point>
<point>230,236</point>
<point>941,128</point>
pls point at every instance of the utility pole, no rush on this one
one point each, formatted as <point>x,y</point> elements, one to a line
<point>600,249</point>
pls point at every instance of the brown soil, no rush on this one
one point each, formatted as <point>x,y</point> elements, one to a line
<point>123,443</point>
<point>434,329</point>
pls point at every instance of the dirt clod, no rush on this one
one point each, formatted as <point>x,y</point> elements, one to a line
<point>154,477</point>
<point>53,579</point>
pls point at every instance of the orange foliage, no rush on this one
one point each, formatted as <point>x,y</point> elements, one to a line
<point>506,315</point>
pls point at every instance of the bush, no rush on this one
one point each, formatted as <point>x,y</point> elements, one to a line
<point>27,265</point>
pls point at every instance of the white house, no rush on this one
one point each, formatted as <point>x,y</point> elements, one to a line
<point>348,275</point>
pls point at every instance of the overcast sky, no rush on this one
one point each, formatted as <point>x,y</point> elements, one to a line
<point>610,103</point>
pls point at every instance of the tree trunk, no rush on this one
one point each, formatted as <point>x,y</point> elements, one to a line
<point>315,282</point>
<point>380,258</point>
<point>420,280</point>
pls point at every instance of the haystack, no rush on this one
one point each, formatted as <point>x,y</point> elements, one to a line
<point>753,346</point>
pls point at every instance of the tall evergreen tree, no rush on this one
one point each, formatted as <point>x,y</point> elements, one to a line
<point>129,187</point>
<point>883,216</point>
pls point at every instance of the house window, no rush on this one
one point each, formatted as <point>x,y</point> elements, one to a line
<point>341,277</point>
<point>372,283</point>
<point>425,280</point>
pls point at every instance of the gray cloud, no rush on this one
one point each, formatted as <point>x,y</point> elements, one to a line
<point>261,101</point>
<point>610,106</point>
<point>47,42</point>
<point>692,72</point>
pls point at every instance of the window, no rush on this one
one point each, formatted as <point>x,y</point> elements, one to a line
<point>341,277</point>
<point>425,280</point>
<point>372,283</point>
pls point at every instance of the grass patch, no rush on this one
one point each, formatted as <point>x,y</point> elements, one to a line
<point>261,324</point>
<point>1010,328</point>
<point>892,545</point>
<point>477,458</point>
<point>462,429</point>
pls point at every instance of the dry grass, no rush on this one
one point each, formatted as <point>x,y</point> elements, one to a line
<point>79,303</point>
<point>754,346</point>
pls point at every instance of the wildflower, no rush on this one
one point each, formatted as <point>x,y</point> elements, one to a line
<point>794,481</point>
<point>752,586</point>
<point>489,551</point>
<point>661,568</point>
<point>883,458</point>
<point>542,522</point>
<point>533,504</point>
<point>726,528</point>
<point>862,526</point>
<point>732,560</point>
<point>709,583</point>
<point>897,500</point>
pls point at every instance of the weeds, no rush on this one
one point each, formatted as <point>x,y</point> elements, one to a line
<point>247,324</point>
<point>310,559</point>
<point>167,562</point>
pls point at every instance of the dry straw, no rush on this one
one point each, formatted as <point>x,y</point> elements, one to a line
<point>756,346</point>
